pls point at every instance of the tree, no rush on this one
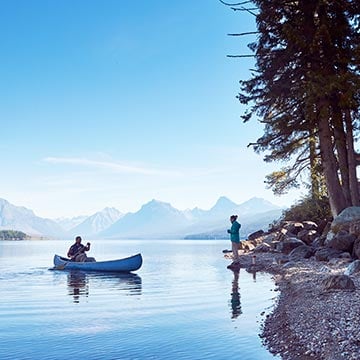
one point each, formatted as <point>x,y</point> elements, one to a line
<point>305,89</point>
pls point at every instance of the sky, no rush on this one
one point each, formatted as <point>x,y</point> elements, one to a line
<point>114,103</point>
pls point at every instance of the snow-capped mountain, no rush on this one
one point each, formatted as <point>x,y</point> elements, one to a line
<point>157,219</point>
<point>154,219</point>
<point>69,223</point>
<point>22,219</point>
<point>97,222</point>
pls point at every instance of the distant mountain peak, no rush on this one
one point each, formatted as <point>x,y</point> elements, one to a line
<point>224,203</point>
<point>156,204</point>
<point>98,222</point>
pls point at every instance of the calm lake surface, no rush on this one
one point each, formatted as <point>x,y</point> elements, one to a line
<point>182,304</point>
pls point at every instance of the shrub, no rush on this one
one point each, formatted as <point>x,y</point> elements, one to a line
<point>308,208</point>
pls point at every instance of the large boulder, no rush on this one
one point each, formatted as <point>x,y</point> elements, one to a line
<point>264,247</point>
<point>301,252</point>
<point>293,227</point>
<point>307,236</point>
<point>338,282</point>
<point>256,234</point>
<point>344,220</point>
<point>342,241</point>
<point>271,239</point>
<point>325,254</point>
<point>287,245</point>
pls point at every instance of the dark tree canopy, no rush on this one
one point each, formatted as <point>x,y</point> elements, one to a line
<point>306,90</point>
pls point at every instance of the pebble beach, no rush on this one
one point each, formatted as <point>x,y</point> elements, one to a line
<point>309,321</point>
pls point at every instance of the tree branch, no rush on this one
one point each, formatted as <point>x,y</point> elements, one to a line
<point>244,33</point>
<point>240,56</point>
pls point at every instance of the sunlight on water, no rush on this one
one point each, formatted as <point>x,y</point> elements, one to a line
<point>182,304</point>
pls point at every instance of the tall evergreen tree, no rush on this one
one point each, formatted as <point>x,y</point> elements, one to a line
<point>306,91</point>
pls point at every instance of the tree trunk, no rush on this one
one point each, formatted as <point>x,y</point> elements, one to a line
<point>315,186</point>
<point>353,181</point>
<point>336,196</point>
<point>342,153</point>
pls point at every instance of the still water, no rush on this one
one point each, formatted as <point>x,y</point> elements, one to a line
<point>182,304</point>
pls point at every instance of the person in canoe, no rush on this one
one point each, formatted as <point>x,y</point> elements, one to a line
<point>234,236</point>
<point>77,251</point>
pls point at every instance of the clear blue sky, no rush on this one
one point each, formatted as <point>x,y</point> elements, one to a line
<point>117,102</point>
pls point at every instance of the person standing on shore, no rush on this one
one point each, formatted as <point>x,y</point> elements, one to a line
<point>234,236</point>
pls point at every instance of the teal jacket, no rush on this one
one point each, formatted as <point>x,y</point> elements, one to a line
<point>234,232</point>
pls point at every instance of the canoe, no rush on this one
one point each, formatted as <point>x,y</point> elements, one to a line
<point>128,264</point>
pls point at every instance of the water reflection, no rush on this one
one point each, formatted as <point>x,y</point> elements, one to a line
<point>79,283</point>
<point>235,295</point>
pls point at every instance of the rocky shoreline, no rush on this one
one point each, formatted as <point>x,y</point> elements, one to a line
<point>316,315</point>
<point>309,321</point>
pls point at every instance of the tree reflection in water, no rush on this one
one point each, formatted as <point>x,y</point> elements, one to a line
<point>79,283</point>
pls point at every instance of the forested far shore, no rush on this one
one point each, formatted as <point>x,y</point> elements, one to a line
<point>13,235</point>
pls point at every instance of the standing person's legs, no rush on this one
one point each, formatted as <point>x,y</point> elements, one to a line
<point>235,250</point>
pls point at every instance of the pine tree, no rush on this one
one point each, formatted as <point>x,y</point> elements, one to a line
<point>306,91</point>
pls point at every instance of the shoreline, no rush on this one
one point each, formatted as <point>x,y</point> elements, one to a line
<point>308,321</point>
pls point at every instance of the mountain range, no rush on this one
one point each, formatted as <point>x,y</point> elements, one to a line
<point>154,220</point>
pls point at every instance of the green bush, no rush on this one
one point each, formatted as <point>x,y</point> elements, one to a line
<point>308,208</point>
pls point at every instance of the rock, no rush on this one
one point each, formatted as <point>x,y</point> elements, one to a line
<point>319,242</point>
<point>290,264</point>
<point>341,261</point>
<point>235,266</point>
<point>325,254</point>
<point>282,260</point>
<point>301,252</point>
<point>289,244</point>
<point>353,268</point>
<point>342,241</point>
<point>345,219</point>
<point>264,247</point>
<point>246,245</point>
<point>338,282</point>
<point>310,225</point>
<point>269,239</point>
<point>355,228</point>
<point>307,236</point>
<point>324,227</point>
<point>356,249</point>
<point>256,235</point>
<point>293,227</point>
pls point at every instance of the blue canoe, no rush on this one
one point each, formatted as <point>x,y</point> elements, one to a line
<point>128,264</point>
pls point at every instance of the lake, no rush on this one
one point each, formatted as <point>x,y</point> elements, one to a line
<point>182,304</point>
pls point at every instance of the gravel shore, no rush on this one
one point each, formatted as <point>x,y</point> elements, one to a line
<point>309,321</point>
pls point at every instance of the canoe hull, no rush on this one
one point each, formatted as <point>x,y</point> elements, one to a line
<point>129,264</point>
